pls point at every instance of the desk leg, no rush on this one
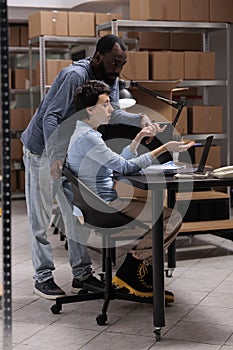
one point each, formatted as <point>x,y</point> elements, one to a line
<point>171,252</point>
<point>158,261</point>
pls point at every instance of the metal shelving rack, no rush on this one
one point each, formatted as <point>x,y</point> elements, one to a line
<point>14,93</point>
<point>66,43</point>
<point>205,28</point>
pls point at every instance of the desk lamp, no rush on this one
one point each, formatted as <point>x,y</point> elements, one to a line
<point>124,93</point>
<point>126,99</point>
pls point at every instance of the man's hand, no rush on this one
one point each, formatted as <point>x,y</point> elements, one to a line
<point>56,169</point>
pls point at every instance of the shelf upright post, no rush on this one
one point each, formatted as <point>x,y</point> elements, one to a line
<point>114,27</point>
<point>228,92</point>
<point>6,180</point>
<point>206,48</point>
<point>42,66</point>
<point>30,75</point>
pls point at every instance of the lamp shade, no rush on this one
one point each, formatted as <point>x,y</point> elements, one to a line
<point>126,100</point>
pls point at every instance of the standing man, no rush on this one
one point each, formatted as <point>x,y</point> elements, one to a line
<point>43,164</point>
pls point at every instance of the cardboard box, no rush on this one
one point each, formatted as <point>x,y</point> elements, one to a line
<point>81,23</point>
<point>20,78</point>
<point>53,67</point>
<point>199,65</point>
<point>48,23</point>
<point>153,41</point>
<point>221,11</point>
<point>24,36</point>
<point>14,35</point>
<point>16,149</point>
<point>182,124</point>
<point>14,183</point>
<point>155,109</point>
<point>21,180</point>
<point>204,119</point>
<point>20,118</point>
<point>162,10</point>
<point>137,66</point>
<point>214,157</point>
<point>106,17</point>
<point>166,65</point>
<point>186,41</point>
<point>194,10</point>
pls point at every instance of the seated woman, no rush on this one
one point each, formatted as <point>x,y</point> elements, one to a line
<point>93,162</point>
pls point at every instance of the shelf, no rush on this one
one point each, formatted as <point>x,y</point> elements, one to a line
<point>199,83</point>
<point>220,136</point>
<point>19,91</point>
<point>72,40</point>
<point>64,39</point>
<point>185,83</point>
<point>25,49</point>
<point>163,26</point>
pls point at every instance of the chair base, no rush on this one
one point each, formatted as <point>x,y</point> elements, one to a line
<point>108,293</point>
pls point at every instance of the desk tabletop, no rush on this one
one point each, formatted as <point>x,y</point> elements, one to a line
<point>149,182</point>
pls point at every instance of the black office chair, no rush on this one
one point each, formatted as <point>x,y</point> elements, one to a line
<point>105,220</point>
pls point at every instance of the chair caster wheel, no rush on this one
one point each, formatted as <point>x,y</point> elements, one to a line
<point>169,273</point>
<point>101,319</point>
<point>157,334</point>
<point>56,309</point>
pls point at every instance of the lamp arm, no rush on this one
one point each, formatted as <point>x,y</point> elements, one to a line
<point>176,104</point>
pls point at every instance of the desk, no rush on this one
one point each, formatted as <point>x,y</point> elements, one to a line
<point>158,183</point>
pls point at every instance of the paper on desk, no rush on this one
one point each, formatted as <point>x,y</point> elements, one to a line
<point>159,168</point>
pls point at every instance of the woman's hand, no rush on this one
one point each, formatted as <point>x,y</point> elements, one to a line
<point>148,131</point>
<point>176,146</point>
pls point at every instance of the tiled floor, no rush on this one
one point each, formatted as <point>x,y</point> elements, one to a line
<point>201,317</point>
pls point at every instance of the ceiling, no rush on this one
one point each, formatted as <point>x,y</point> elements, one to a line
<point>101,5</point>
<point>17,14</point>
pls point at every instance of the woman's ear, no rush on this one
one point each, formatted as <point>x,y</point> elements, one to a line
<point>89,110</point>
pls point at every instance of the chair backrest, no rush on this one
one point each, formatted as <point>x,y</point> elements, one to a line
<point>97,213</point>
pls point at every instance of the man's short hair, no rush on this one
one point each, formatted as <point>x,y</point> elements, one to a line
<point>107,42</point>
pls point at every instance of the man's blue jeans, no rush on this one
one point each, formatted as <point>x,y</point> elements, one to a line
<point>40,190</point>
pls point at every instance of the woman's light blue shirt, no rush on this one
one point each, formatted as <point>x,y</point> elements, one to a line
<point>93,161</point>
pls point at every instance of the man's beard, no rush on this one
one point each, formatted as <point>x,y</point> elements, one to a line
<point>107,78</point>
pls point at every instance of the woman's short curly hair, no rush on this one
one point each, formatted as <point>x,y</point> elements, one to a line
<point>87,95</point>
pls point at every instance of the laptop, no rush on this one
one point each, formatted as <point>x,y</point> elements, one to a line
<point>170,168</point>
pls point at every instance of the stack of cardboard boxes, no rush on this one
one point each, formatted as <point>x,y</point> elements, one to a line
<point>67,23</point>
<point>182,10</point>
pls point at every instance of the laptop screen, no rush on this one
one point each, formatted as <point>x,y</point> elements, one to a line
<point>205,154</point>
